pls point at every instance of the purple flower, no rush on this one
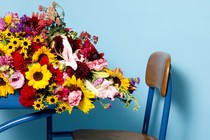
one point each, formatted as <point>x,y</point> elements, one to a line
<point>24,19</point>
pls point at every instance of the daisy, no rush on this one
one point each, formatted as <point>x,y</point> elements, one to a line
<point>38,76</point>
<point>85,103</point>
<point>5,87</point>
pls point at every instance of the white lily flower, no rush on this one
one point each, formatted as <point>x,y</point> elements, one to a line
<point>67,54</point>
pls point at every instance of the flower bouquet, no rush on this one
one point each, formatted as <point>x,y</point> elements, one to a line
<point>43,64</point>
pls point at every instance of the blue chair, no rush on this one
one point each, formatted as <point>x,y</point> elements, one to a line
<point>157,77</point>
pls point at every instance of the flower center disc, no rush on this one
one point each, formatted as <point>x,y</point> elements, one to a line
<point>117,81</point>
<point>1,53</point>
<point>38,76</point>
<point>2,82</point>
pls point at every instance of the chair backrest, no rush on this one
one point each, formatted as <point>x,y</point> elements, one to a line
<point>158,77</point>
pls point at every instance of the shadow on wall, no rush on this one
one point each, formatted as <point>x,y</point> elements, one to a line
<point>180,107</point>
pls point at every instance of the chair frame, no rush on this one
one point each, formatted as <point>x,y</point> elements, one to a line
<point>165,114</point>
<point>48,114</point>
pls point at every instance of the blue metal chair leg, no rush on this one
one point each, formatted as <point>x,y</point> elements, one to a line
<point>49,128</point>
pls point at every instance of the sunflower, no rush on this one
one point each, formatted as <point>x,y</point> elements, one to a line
<point>38,76</point>
<point>38,39</point>
<point>1,36</point>
<point>43,51</point>
<point>10,48</point>
<point>15,42</point>
<point>19,34</point>
<point>24,52</point>
<point>25,43</point>
<point>59,110</point>
<point>39,97</point>
<point>118,78</point>
<point>85,104</point>
<point>62,107</point>
<point>38,105</point>
<point>7,34</point>
<point>52,99</point>
<point>3,50</point>
<point>5,87</point>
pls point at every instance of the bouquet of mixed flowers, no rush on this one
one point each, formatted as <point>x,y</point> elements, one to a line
<point>51,65</point>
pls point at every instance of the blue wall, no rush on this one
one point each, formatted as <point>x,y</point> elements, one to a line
<point>129,31</point>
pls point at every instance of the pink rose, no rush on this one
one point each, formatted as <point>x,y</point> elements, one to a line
<point>17,80</point>
<point>2,24</point>
<point>98,64</point>
<point>74,98</point>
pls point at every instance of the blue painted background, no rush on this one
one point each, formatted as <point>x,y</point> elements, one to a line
<point>129,31</point>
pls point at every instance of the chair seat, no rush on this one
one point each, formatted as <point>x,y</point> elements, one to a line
<point>109,135</point>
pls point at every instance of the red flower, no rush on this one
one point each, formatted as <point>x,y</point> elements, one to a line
<point>36,46</point>
<point>18,61</point>
<point>26,102</point>
<point>63,94</point>
<point>27,95</point>
<point>44,60</point>
<point>75,44</point>
<point>90,52</point>
<point>81,72</point>
<point>57,75</point>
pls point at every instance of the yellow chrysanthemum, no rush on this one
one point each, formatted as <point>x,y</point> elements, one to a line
<point>5,87</point>
<point>15,41</point>
<point>43,51</point>
<point>118,78</point>
<point>52,99</point>
<point>8,19</point>
<point>85,104</point>
<point>10,48</point>
<point>3,50</point>
<point>38,105</point>
<point>38,76</point>
<point>38,39</point>
<point>25,43</point>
